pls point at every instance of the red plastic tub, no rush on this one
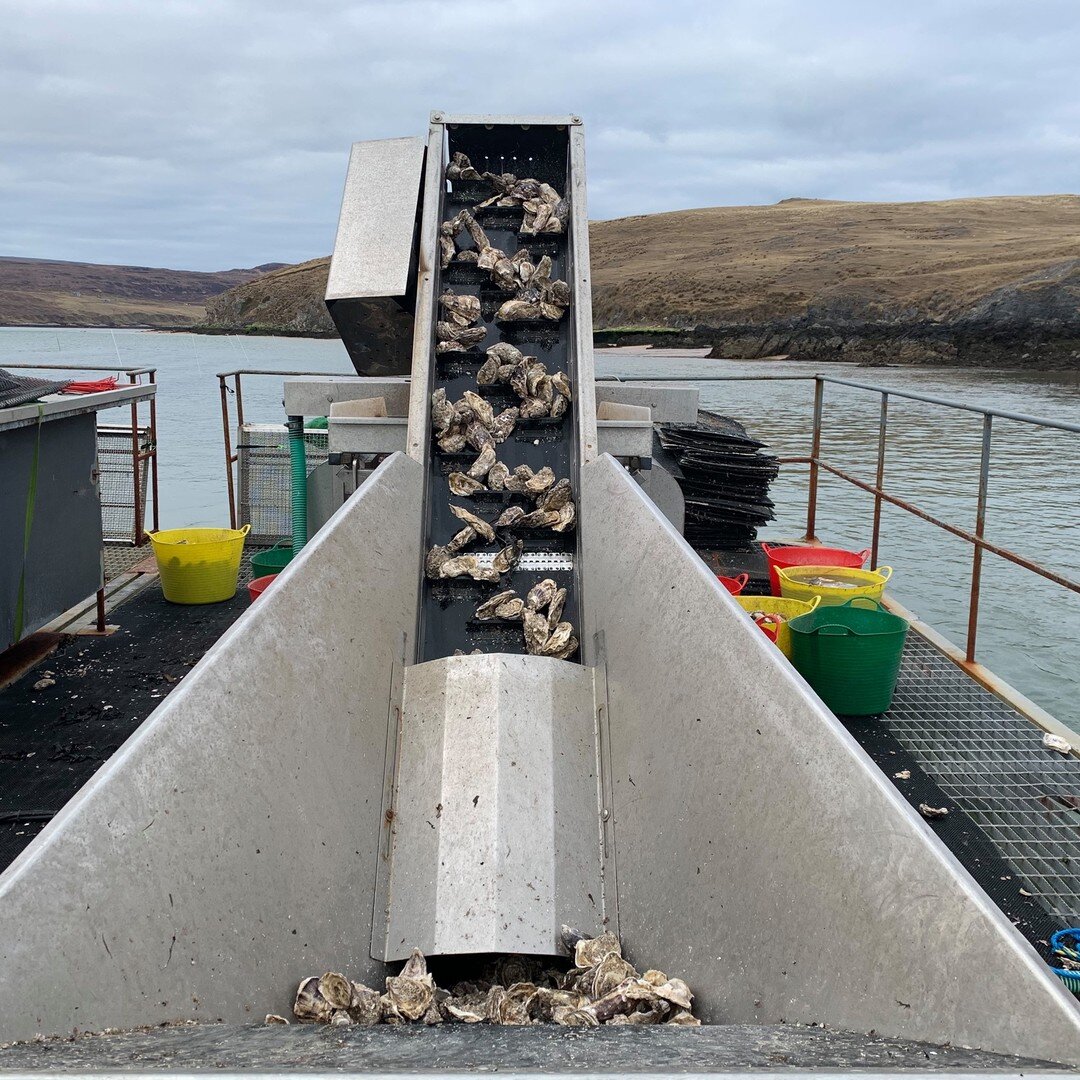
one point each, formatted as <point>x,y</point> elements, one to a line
<point>785,557</point>
<point>734,585</point>
<point>258,585</point>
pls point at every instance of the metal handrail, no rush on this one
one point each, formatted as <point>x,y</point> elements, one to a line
<point>976,538</point>
<point>231,456</point>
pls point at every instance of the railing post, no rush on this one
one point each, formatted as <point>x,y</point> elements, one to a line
<point>152,379</point>
<point>883,424</point>
<point>239,401</point>
<point>228,449</point>
<point>135,463</point>
<point>980,525</point>
<point>815,451</point>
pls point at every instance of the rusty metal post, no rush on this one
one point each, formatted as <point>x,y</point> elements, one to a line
<point>883,424</point>
<point>228,449</point>
<point>980,525</point>
<point>101,610</point>
<point>239,401</point>
<point>815,452</point>
<point>152,379</point>
<point>135,463</point>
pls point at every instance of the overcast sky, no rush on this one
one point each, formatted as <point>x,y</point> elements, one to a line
<point>208,134</point>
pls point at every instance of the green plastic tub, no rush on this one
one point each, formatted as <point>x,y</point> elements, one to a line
<point>271,561</point>
<point>850,654</point>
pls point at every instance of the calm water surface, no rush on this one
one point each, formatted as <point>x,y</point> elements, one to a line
<point>1028,629</point>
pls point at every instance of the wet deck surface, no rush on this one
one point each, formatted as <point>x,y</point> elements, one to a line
<point>462,1048</point>
<point>54,738</point>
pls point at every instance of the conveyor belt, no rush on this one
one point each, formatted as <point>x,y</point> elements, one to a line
<point>448,606</point>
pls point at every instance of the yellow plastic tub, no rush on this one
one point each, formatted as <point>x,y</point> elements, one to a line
<point>776,605</point>
<point>795,583</point>
<point>198,566</point>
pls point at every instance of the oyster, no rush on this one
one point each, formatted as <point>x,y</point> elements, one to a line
<point>434,560</point>
<point>466,1012</point>
<point>520,375</point>
<point>451,338</point>
<point>460,484</point>
<point>453,442</point>
<point>559,642</point>
<point>461,540</point>
<point>539,482</point>
<point>481,407</point>
<point>555,497</point>
<point>480,467</point>
<point>273,1018</point>
<point>502,426</point>
<point>545,1000</point>
<point>504,353</point>
<point>518,311</point>
<point>555,608</point>
<point>508,557</point>
<point>462,565</point>
<point>613,969</point>
<point>533,376</point>
<point>486,612</point>
<point>310,1004</point>
<point>442,412</point>
<point>413,991</point>
<point>534,407</point>
<point>537,629</point>
<point>539,596</point>
<point>364,1006</point>
<point>510,516</point>
<point>568,1016</point>
<point>388,1013</point>
<point>478,436</point>
<point>566,516</point>
<point>489,371</point>
<point>559,405</point>
<point>461,310</point>
<point>479,524</point>
<point>588,952</point>
<point>684,1018</point>
<point>511,611</point>
<point>336,989</point>
<point>341,1018</point>
<point>497,475</point>
<point>461,168</point>
<point>561,385</point>
<point>541,519</point>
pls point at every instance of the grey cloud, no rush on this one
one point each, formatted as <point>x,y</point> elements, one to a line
<point>213,134</point>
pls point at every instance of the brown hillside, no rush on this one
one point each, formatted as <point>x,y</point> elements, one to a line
<point>870,260</point>
<point>41,292</point>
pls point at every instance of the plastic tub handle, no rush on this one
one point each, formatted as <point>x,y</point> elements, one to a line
<point>245,530</point>
<point>885,572</point>
<point>834,630</point>
<point>741,580</point>
<point>864,555</point>
<point>766,546</point>
<point>867,602</point>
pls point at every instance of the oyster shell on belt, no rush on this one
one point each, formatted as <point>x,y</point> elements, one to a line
<point>451,338</point>
<point>461,168</point>
<point>463,485</point>
<point>481,466</point>
<point>470,519</point>
<point>461,310</point>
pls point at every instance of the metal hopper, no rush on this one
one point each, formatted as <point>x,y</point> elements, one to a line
<point>332,785</point>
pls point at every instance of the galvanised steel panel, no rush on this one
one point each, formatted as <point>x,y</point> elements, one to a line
<point>374,251</point>
<point>761,854</point>
<point>492,828</point>
<point>229,847</point>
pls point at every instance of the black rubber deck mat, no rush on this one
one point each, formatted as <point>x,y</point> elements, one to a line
<point>457,1048</point>
<point>63,719</point>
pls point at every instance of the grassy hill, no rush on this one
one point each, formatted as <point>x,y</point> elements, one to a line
<point>42,292</point>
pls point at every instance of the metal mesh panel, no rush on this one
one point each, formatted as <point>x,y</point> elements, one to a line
<point>263,478</point>
<point>116,482</point>
<point>990,760</point>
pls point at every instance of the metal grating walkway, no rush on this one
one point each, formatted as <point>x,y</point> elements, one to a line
<point>988,761</point>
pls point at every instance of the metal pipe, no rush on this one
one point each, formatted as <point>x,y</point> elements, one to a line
<point>136,483</point>
<point>883,425</point>
<point>101,610</point>
<point>228,449</point>
<point>152,377</point>
<point>971,538</point>
<point>239,400</point>
<point>980,525</point>
<point>815,450</point>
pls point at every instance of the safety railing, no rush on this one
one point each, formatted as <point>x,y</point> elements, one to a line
<point>976,537</point>
<point>143,440</point>
<point>232,455</point>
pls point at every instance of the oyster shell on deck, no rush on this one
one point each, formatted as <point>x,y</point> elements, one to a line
<point>588,952</point>
<point>309,1003</point>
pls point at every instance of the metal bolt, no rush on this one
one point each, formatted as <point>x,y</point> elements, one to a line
<point>575,119</point>
<point>436,116</point>
<point>605,814</point>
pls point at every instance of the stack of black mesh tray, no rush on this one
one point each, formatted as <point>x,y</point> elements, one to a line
<point>18,389</point>
<point>725,478</point>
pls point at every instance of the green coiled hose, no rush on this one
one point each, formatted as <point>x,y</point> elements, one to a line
<point>298,465</point>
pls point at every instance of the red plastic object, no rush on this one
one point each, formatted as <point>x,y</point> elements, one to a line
<point>783,557</point>
<point>96,386</point>
<point>257,586</point>
<point>734,585</point>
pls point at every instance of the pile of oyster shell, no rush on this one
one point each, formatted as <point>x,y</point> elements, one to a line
<point>536,295</point>
<point>457,331</point>
<point>601,988</point>
<point>540,614</point>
